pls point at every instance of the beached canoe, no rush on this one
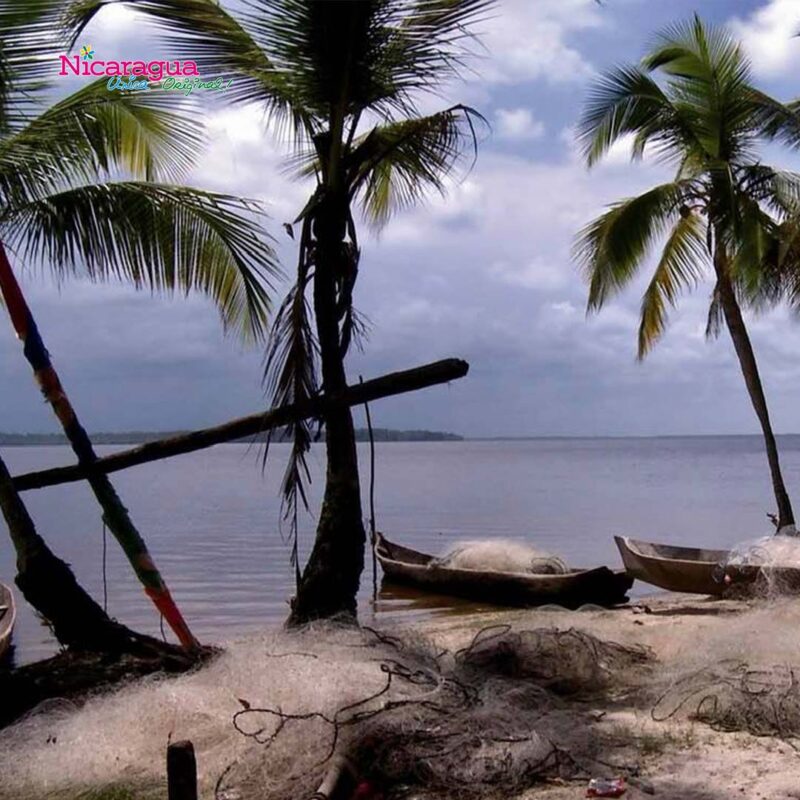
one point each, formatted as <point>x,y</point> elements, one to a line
<point>698,571</point>
<point>679,569</point>
<point>600,586</point>
<point>7,618</point>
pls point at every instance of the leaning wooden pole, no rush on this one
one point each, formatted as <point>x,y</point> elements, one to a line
<point>394,383</point>
<point>115,514</point>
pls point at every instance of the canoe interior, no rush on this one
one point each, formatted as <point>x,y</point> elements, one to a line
<point>675,552</point>
<point>600,585</point>
<point>396,552</point>
<point>692,570</point>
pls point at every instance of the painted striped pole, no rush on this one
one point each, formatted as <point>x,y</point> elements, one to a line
<point>115,515</point>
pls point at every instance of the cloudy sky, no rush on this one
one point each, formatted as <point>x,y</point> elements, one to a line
<point>484,275</point>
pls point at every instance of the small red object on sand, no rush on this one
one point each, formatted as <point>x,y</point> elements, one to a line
<point>366,791</point>
<point>602,787</point>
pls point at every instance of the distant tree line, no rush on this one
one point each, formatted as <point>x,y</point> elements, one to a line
<point>140,437</point>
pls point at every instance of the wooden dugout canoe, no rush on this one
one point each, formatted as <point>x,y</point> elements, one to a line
<point>7,618</point>
<point>679,569</point>
<point>600,585</point>
<point>696,570</point>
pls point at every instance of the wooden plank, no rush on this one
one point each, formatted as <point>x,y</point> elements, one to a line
<point>394,383</point>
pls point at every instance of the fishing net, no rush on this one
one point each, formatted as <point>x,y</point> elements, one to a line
<point>764,567</point>
<point>501,555</point>
<point>735,696</point>
<point>271,719</point>
<point>488,716</point>
<point>566,662</point>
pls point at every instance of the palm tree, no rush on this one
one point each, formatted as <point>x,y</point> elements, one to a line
<point>725,213</point>
<point>67,204</point>
<point>342,77</point>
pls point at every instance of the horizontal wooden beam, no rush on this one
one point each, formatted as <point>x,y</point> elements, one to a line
<point>394,383</point>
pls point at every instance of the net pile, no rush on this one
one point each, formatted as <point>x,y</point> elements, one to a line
<point>271,716</point>
<point>735,696</point>
<point>764,567</point>
<point>488,717</point>
<point>501,555</point>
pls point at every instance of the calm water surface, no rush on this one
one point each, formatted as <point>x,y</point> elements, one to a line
<point>212,519</point>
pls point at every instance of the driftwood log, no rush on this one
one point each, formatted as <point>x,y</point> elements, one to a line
<point>385,386</point>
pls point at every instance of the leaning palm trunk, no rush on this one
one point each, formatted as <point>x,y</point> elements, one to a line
<point>49,585</point>
<point>747,360</point>
<point>330,581</point>
<point>115,515</point>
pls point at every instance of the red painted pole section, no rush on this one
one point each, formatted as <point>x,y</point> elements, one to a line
<point>115,514</point>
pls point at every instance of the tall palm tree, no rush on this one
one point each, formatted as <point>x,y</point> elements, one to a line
<point>692,103</point>
<point>69,202</point>
<point>343,77</point>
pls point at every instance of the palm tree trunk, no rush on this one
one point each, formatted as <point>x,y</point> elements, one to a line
<point>752,379</point>
<point>330,581</point>
<point>115,515</point>
<point>48,584</point>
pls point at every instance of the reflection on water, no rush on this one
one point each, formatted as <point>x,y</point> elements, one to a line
<point>212,519</point>
<point>396,599</point>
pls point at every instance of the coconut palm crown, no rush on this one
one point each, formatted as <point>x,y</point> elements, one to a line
<point>89,185</point>
<point>692,104</point>
<point>342,78</point>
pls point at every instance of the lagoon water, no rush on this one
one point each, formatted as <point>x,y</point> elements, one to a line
<point>212,519</point>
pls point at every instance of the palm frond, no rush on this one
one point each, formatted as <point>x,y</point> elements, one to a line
<point>680,268</point>
<point>300,58</point>
<point>710,78</point>
<point>430,45</point>
<point>611,248</point>
<point>290,377</point>
<point>775,189</point>
<point>716,317</point>
<point>96,132</point>
<point>221,44</point>
<point>785,265</point>
<point>154,236</point>
<point>394,166</point>
<point>699,52</point>
<point>776,120</point>
<point>30,36</point>
<point>626,100</point>
<point>346,56</point>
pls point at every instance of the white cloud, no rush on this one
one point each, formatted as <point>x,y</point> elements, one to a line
<point>769,36</point>
<point>529,40</point>
<point>244,157</point>
<point>518,124</point>
<point>537,273</point>
<point>620,152</point>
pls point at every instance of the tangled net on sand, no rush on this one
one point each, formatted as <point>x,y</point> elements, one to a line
<point>734,696</point>
<point>457,723</point>
<point>501,555</point>
<point>765,567</point>
<point>564,662</point>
